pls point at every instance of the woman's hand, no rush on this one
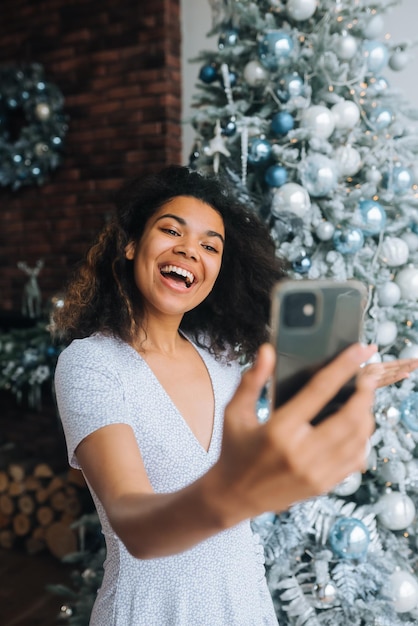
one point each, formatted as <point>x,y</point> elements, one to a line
<point>389,372</point>
<point>268,467</point>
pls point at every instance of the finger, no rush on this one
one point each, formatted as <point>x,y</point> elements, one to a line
<point>253,382</point>
<point>322,387</point>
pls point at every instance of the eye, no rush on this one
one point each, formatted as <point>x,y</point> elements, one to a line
<point>171,231</point>
<point>209,248</point>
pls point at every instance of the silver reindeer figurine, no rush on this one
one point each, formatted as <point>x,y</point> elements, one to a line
<point>31,300</point>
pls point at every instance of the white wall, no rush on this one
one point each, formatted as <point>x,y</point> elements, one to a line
<point>401,24</point>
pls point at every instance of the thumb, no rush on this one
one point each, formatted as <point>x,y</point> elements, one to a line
<point>253,382</point>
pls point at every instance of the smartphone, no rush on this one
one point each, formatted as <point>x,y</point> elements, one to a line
<point>312,321</point>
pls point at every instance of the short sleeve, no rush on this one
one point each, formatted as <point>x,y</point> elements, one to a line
<point>89,393</point>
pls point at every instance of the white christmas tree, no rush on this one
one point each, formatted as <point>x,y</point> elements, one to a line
<point>293,106</point>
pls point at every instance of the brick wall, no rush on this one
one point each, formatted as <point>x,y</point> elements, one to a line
<point>117,63</point>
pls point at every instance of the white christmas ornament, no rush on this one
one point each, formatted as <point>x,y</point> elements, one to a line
<point>301,9</point>
<point>387,332</point>
<point>291,197</point>
<point>349,485</point>
<point>346,114</point>
<point>325,231</point>
<point>411,240</point>
<point>348,160</point>
<point>319,121</point>
<point>398,60</point>
<point>396,511</point>
<point>407,281</point>
<point>374,27</point>
<point>388,294</point>
<point>345,47</point>
<point>373,175</point>
<point>394,251</point>
<point>403,589</point>
<point>255,74</point>
<point>409,352</point>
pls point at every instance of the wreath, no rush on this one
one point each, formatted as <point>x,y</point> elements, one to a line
<point>32,126</point>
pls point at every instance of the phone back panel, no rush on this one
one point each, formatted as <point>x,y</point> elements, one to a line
<point>312,322</point>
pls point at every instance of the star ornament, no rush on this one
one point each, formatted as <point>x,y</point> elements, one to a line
<point>217,147</point>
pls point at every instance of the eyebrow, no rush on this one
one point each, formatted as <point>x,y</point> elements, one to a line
<point>180,220</point>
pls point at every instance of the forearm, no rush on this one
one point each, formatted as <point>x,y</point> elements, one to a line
<point>155,525</point>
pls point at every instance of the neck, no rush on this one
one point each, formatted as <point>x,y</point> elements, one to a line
<point>159,336</point>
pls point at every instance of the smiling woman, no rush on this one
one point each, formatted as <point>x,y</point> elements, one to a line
<point>172,298</point>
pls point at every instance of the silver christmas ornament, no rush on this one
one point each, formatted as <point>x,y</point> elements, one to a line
<point>346,114</point>
<point>345,47</point>
<point>255,74</point>
<point>394,252</point>
<point>325,231</point>
<point>291,197</point>
<point>403,589</point>
<point>388,294</point>
<point>396,511</point>
<point>387,332</point>
<point>319,121</point>
<point>300,10</point>
<point>349,485</point>
<point>407,281</point>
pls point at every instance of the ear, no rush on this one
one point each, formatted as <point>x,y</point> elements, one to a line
<point>130,251</point>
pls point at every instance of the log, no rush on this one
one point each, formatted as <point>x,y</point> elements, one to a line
<point>22,524</point>
<point>58,501</point>
<point>45,515</point>
<point>60,539</point>
<point>7,505</point>
<point>7,539</point>
<point>55,484</point>
<point>18,470</point>
<point>16,488</point>
<point>32,483</point>
<point>4,481</point>
<point>43,470</point>
<point>26,504</point>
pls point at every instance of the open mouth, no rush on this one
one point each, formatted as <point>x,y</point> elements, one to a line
<point>178,274</point>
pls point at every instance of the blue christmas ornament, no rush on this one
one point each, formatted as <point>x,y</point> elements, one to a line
<point>319,175</point>
<point>275,48</point>
<point>349,538</point>
<point>377,84</point>
<point>275,176</point>
<point>348,240</point>
<point>263,409</point>
<point>381,117</point>
<point>302,264</point>
<point>229,128</point>
<point>290,86</point>
<point>409,411</point>
<point>208,73</point>
<point>399,180</point>
<point>282,122</point>
<point>373,217</point>
<point>259,151</point>
<point>228,38</point>
<point>376,55</point>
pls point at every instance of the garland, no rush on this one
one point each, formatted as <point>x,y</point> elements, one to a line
<point>32,126</point>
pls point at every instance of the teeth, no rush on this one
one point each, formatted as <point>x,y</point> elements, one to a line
<point>167,269</point>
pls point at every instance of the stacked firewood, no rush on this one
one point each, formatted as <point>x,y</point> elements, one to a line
<point>38,507</point>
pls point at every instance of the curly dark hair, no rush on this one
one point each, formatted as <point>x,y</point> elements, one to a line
<point>102,295</point>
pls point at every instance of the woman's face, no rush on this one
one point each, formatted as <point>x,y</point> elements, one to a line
<point>178,258</point>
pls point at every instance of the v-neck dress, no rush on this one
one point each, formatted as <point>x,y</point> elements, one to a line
<point>221,581</point>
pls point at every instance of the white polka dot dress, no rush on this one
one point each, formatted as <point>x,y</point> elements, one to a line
<point>221,581</point>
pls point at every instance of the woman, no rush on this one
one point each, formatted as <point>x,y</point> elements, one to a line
<point>172,299</point>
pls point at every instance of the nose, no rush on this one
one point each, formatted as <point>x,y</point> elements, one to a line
<point>188,249</point>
